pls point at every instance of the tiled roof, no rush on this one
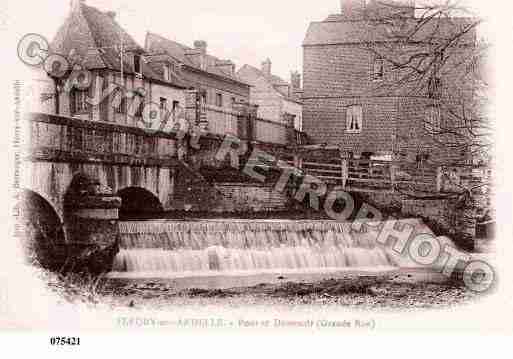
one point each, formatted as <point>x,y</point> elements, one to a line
<point>159,44</point>
<point>275,81</point>
<point>336,30</point>
<point>95,37</point>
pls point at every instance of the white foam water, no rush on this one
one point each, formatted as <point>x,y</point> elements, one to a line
<point>208,248</point>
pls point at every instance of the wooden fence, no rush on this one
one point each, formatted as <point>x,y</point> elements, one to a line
<point>365,175</point>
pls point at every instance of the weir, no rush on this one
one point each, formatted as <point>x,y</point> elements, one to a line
<point>238,247</point>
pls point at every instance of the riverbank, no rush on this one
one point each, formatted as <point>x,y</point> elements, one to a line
<point>394,290</point>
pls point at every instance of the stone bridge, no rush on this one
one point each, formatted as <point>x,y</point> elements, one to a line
<point>118,170</point>
<point>148,171</point>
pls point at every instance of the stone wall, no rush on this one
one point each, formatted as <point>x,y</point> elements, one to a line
<point>244,197</point>
<point>447,217</point>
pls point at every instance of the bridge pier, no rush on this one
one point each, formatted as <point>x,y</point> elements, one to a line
<point>91,224</point>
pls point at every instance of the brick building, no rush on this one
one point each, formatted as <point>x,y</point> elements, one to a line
<point>94,40</point>
<point>219,88</point>
<point>345,104</point>
<point>277,100</point>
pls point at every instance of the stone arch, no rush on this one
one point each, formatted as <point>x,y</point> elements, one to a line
<point>138,202</point>
<point>41,231</point>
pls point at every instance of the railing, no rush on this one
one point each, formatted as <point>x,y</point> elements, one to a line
<point>63,138</point>
<point>388,176</point>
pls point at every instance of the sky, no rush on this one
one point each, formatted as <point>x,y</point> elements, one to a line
<point>247,32</point>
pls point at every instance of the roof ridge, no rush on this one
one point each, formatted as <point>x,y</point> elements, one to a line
<point>95,41</point>
<point>167,39</point>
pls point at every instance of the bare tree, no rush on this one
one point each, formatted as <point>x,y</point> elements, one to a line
<point>435,55</point>
<point>431,52</point>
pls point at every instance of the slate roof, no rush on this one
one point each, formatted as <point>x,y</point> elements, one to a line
<point>275,81</point>
<point>338,30</point>
<point>158,44</point>
<point>95,37</point>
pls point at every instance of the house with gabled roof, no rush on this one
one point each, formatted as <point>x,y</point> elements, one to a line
<point>278,100</point>
<point>93,40</point>
<point>219,89</point>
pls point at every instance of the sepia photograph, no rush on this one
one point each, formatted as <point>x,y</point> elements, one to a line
<point>267,166</point>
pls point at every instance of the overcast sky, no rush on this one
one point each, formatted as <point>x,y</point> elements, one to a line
<point>244,31</point>
<point>241,30</point>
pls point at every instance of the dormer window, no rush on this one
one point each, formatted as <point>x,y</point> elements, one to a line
<point>78,101</point>
<point>137,64</point>
<point>167,72</point>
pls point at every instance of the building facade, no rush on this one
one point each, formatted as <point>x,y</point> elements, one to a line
<point>218,87</point>
<point>277,100</point>
<point>345,102</point>
<point>121,81</point>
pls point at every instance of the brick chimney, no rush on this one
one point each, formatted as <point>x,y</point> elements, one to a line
<point>201,46</point>
<point>295,81</point>
<point>353,9</point>
<point>390,8</point>
<point>266,67</point>
<point>198,55</point>
<point>227,66</point>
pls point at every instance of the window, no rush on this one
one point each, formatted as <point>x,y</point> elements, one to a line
<point>378,69</point>
<point>176,106</point>
<point>137,64</point>
<point>234,102</point>
<point>435,88</point>
<point>139,100</point>
<point>203,98</point>
<point>167,72</point>
<point>163,104</point>
<point>219,100</point>
<point>78,101</point>
<point>354,115</point>
<point>120,100</point>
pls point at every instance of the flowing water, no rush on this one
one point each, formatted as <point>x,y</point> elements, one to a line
<point>246,247</point>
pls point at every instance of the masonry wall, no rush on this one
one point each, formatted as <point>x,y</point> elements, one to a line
<point>338,76</point>
<point>244,197</point>
<point>296,109</point>
<point>215,85</point>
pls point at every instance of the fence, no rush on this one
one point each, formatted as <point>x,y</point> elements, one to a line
<point>373,175</point>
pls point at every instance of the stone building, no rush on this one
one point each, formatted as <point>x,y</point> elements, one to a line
<point>219,89</point>
<point>93,40</point>
<point>277,100</point>
<point>344,102</point>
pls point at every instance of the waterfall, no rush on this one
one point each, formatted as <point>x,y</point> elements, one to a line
<point>194,248</point>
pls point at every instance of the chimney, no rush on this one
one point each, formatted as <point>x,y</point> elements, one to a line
<point>391,8</point>
<point>353,9</point>
<point>111,14</point>
<point>295,81</point>
<point>266,67</point>
<point>227,66</point>
<point>201,46</point>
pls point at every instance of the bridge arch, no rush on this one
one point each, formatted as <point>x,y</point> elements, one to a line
<point>41,230</point>
<point>138,202</point>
